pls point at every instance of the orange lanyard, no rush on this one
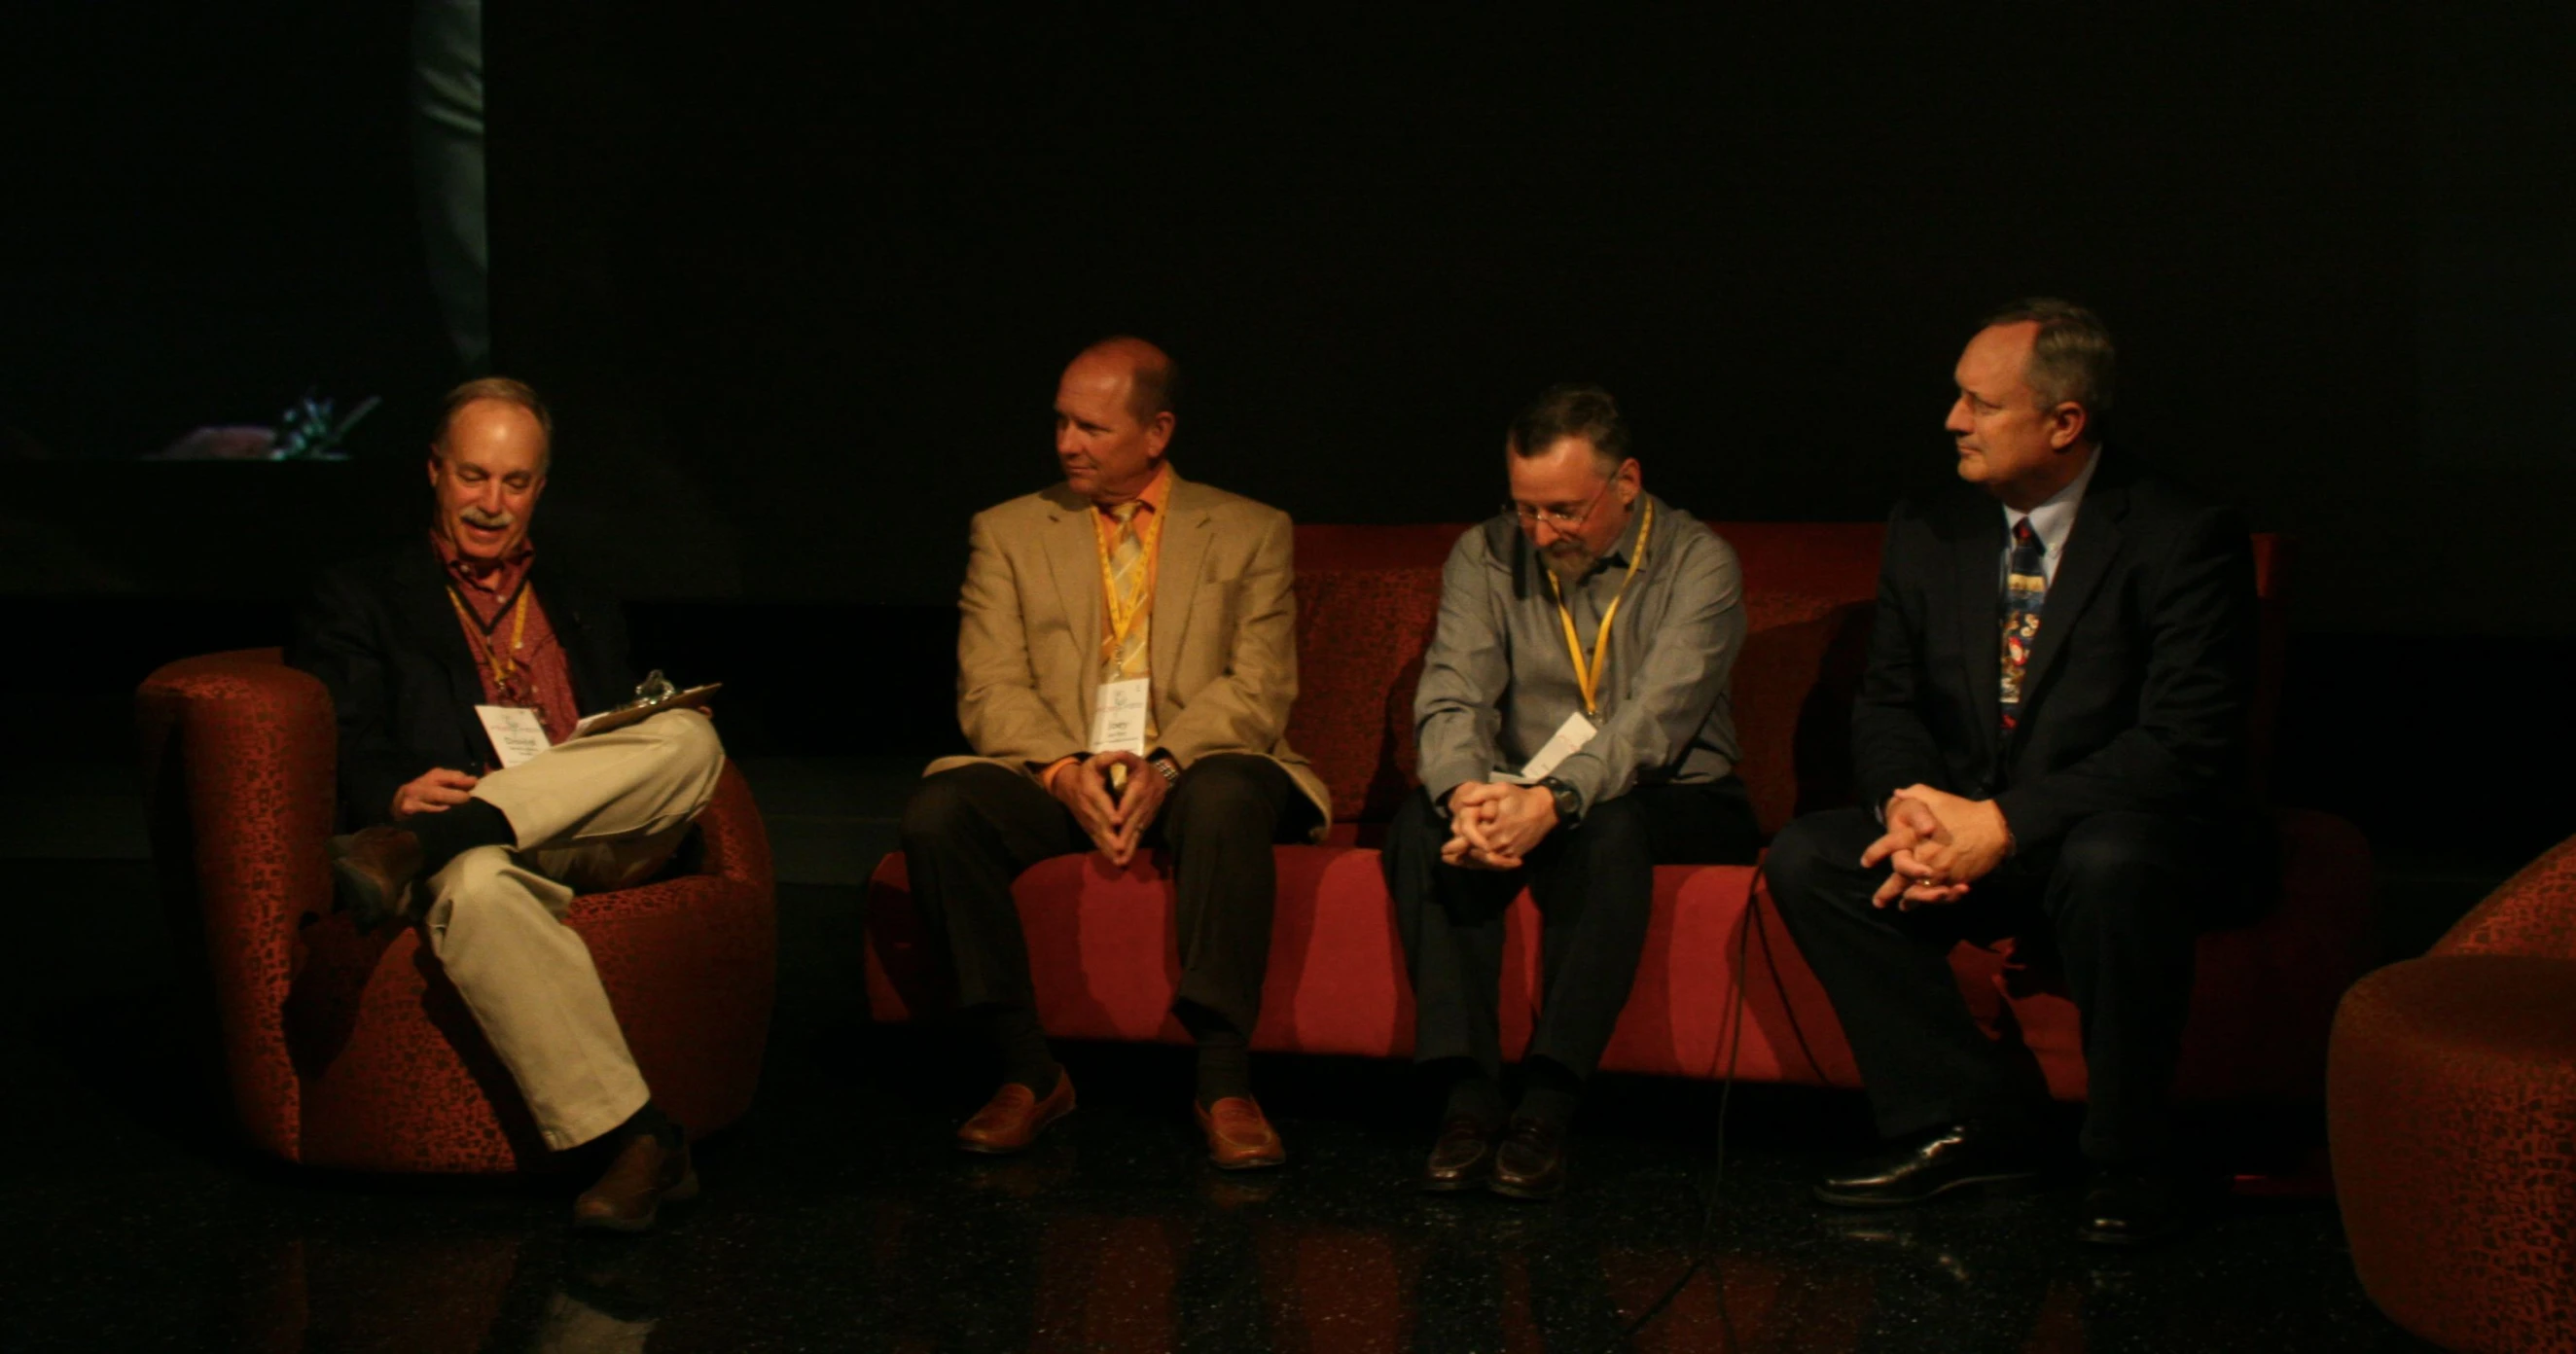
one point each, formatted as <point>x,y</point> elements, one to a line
<point>504,667</point>
<point>1123,623</point>
<point>1587,676</point>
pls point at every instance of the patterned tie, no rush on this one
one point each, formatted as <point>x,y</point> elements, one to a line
<point>1127,585</point>
<point>2025,595</point>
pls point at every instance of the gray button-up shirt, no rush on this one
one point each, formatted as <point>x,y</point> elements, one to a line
<point>1497,681</point>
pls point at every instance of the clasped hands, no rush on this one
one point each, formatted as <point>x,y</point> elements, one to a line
<point>1115,823</point>
<point>1494,826</point>
<point>1936,844</point>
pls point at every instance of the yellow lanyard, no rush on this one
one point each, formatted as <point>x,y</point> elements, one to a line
<point>503,668</point>
<point>1588,675</point>
<point>1122,622</point>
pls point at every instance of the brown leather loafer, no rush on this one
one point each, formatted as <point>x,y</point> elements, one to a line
<point>1531,1162</point>
<point>372,872</point>
<point>1239,1137</point>
<point>1462,1157</point>
<point>630,1195</point>
<point>1015,1116</point>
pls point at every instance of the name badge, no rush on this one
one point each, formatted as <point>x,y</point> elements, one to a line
<point>1118,716</point>
<point>1568,740</point>
<point>516,732</point>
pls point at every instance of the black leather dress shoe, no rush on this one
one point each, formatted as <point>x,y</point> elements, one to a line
<point>1531,1162</point>
<point>1462,1158</point>
<point>1933,1163</point>
<point>372,872</point>
<point>2126,1206</point>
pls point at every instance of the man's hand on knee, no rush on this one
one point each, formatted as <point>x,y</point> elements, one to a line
<point>435,791</point>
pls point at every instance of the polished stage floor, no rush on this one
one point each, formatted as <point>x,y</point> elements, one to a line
<point>837,1217</point>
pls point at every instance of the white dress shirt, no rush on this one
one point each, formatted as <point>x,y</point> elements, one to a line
<point>2053,521</point>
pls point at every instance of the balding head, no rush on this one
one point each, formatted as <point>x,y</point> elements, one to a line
<point>1114,415</point>
<point>1154,379</point>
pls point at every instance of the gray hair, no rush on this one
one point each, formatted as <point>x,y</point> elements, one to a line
<point>507,391</point>
<point>2072,359</point>
<point>1584,411</point>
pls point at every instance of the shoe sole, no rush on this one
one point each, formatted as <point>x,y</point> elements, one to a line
<point>680,1193</point>
<point>1457,1185</point>
<point>1509,1190</point>
<point>2030,1182</point>
<point>1248,1163</point>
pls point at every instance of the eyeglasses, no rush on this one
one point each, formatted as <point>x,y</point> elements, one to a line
<point>1558,518</point>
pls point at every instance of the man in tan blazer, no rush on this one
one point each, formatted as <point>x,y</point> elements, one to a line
<point>1126,659</point>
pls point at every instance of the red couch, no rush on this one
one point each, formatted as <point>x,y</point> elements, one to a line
<point>354,1051</point>
<point>2451,1116</point>
<point>1100,939</point>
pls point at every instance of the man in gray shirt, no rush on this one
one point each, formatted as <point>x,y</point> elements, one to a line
<point>1576,731</point>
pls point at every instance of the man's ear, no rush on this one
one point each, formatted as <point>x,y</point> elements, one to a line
<point>2066,425</point>
<point>433,466</point>
<point>1158,433</point>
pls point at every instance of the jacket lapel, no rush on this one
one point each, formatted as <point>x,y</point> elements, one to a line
<point>1183,547</point>
<point>431,616</point>
<point>1977,546</point>
<point>1072,550</point>
<point>2091,546</point>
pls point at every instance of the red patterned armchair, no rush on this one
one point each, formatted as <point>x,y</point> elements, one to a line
<point>2451,1115</point>
<point>354,1052</point>
<point>1100,939</point>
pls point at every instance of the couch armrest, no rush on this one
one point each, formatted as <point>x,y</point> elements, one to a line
<point>737,842</point>
<point>2533,913</point>
<point>238,761</point>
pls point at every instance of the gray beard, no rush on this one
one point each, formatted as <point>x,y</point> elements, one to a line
<point>1570,566</point>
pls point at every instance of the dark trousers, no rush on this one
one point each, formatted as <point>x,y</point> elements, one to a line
<point>1594,885</point>
<point>970,831</point>
<point>2120,902</point>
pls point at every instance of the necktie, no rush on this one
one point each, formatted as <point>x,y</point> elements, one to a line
<point>1127,588</point>
<point>2025,594</point>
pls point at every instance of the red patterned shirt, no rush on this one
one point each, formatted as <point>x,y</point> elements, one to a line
<point>515,651</point>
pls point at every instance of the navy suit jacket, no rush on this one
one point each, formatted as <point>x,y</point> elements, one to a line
<point>2140,688</point>
<point>382,635</point>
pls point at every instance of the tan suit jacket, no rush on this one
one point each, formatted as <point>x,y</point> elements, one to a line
<point>1223,646</point>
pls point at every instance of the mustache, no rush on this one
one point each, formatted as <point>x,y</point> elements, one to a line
<point>492,521</point>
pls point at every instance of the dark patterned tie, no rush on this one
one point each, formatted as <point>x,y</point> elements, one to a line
<point>2025,594</point>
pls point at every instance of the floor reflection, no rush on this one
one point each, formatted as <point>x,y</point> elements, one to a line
<point>1023,1256</point>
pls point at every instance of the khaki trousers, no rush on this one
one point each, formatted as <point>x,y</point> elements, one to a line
<point>591,815</point>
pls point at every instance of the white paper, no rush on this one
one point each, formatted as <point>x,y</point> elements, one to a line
<point>1568,740</point>
<point>517,734</point>
<point>1118,716</point>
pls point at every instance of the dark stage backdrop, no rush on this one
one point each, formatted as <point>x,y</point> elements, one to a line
<point>801,278</point>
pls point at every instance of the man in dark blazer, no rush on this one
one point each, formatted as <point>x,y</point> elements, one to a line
<point>2051,735</point>
<point>458,667</point>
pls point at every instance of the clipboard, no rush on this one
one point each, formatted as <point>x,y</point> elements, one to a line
<point>653,695</point>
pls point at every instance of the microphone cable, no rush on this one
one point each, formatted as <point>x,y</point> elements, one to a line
<point>1704,1246</point>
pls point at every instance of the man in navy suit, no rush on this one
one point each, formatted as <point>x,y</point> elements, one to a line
<point>2051,735</point>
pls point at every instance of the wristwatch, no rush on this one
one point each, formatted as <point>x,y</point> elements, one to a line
<point>1569,803</point>
<point>1162,761</point>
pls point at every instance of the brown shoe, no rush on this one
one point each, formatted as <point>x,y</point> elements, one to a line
<point>372,871</point>
<point>1239,1138</point>
<point>630,1195</point>
<point>1014,1117</point>
<point>1531,1162</point>
<point>1462,1158</point>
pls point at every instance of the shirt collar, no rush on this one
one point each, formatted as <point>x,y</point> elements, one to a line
<point>1157,491</point>
<point>1625,546</point>
<point>2053,520</point>
<point>497,579</point>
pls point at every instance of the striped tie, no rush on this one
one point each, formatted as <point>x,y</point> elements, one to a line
<point>1127,585</point>
<point>2025,594</point>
